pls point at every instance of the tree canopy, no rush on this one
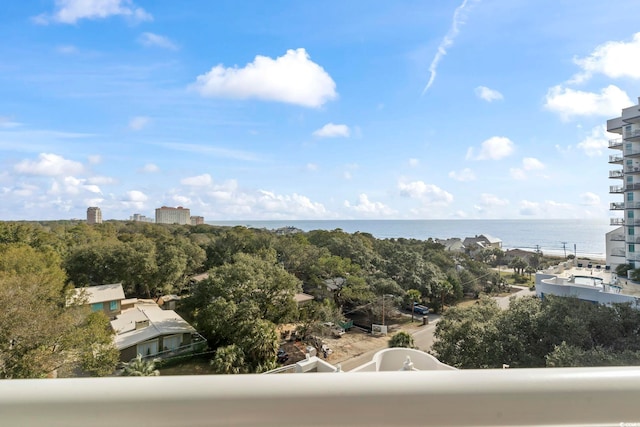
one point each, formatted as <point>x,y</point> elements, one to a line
<point>556,331</point>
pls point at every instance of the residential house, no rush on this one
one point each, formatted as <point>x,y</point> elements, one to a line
<point>453,244</point>
<point>483,241</point>
<point>141,326</point>
<point>510,254</point>
<point>151,331</point>
<point>106,298</point>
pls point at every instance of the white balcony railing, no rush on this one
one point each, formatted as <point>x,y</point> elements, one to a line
<point>632,134</point>
<point>615,143</point>
<point>617,221</point>
<point>615,159</point>
<point>509,397</point>
<point>616,189</point>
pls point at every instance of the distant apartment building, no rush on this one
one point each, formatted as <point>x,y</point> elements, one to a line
<point>168,215</point>
<point>94,215</point>
<point>197,220</point>
<point>140,218</point>
<point>621,242</point>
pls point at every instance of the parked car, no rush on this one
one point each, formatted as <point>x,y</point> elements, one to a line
<point>418,308</point>
<point>283,356</point>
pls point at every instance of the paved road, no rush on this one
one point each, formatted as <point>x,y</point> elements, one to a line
<point>423,337</point>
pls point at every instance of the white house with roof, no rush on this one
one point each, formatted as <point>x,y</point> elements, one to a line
<point>149,330</point>
<point>453,244</point>
<point>482,241</point>
<point>141,326</point>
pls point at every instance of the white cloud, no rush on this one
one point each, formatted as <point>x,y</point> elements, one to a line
<point>151,40</point>
<point>135,199</point>
<point>489,203</point>
<point>596,143</point>
<point>312,167</point>
<point>590,199</point>
<point>6,122</point>
<point>531,163</point>
<point>492,201</point>
<point>150,168</point>
<point>464,175</point>
<point>528,164</point>
<point>139,122</point>
<point>296,205</point>
<point>197,181</point>
<point>72,186</point>
<point>94,159</point>
<point>67,49</point>
<point>427,193</point>
<point>49,165</point>
<point>517,174</point>
<point>614,59</point>
<point>210,150</point>
<point>547,209</point>
<point>528,208</point>
<point>569,102</point>
<point>487,94</point>
<point>447,41</point>
<point>101,180</point>
<point>494,148</point>
<point>292,78</point>
<point>369,208</point>
<point>331,130</point>
<point>181,200</point>
<point>135,196</point>
<point>414,163</point>
<point>347,175</point>
<point>71,11</point>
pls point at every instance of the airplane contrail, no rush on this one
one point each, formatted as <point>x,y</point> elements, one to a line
<point>447,41</point>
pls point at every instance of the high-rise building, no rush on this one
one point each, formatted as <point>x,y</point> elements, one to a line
<point>94,215</point>
<point>622,245</point>
<point>140,218</point>
<point>197,220</point>
<point>168,215</point>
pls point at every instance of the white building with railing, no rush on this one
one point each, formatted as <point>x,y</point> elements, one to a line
<point>623,243</point>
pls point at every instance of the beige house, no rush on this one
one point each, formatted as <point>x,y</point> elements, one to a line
<point>149,330</point>
<point>107,298</point>
<point>141,326</point>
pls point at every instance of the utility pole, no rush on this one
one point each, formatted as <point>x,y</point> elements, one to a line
<point>564,246</point>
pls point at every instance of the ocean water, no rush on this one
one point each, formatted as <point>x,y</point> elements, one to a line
<point>581,237</point>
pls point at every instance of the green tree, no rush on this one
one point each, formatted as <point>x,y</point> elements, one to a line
<point>229,360</point>
<point>413,296</point>
<point>402,339</point>
<point>518,264</point>
<point>39,333</point>
<point>239,304</point>
<point>140,367</point>
<point>468,337</point>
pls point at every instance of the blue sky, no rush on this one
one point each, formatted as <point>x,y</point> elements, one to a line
<point>247,110</point>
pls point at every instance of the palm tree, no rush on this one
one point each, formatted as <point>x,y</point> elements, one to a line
<point>139,367</point>
<point>229,360</point>
<point>414,296</point>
